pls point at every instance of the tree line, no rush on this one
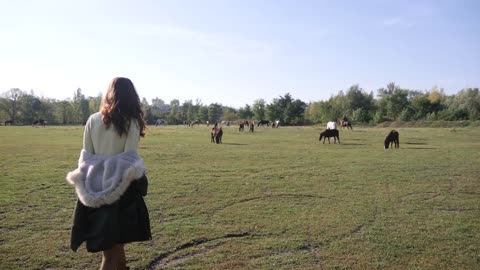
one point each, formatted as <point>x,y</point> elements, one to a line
<point>390,103</point>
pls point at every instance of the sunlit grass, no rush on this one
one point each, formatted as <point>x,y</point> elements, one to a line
<point>272,199</point>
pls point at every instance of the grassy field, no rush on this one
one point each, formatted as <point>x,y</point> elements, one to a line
<point>273,199</point>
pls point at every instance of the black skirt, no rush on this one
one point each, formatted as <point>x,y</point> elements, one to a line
<point>124,221</point>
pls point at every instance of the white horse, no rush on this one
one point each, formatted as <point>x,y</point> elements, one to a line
<point>332,125</point>
<point>160,122</point>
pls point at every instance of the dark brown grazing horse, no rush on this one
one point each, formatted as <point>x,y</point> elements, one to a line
<point>8,122</point>
<point>39,122</point>
<point>346,124</point>
<point>241,127</point>
<point>393,137</point>
<point>330,133</point>
<point>263,122</point>
<point>252,127</point>
<point>216,135</point>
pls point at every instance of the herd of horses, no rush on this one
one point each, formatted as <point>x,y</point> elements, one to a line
<point>36,123</point>
<point>216,133</point>
<point>391,140</point>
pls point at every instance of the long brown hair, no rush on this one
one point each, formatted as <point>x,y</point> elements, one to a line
<point>120,104</point>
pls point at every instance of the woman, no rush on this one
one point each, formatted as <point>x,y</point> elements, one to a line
<point>110,180</point>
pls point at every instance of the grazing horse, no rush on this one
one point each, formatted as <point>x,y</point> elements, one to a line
<point>252,127</point>
<point>275,124</point>
<point>241,127</point>
<point>9,122</point>
<point>393,137</point>
<point>345,123</point>
<point>39,122</point>
<point>263,122</point>
<point>329,133</point>
<point>160,122</point>
<point>216,135</point>
<point>194,122</point>
<point>332,125</point>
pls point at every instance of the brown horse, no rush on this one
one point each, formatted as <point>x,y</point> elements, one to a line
<point>347,124</point>
<point>393,137</point>
<point>9,122</point>
<point>39,122</point>
<point>216,135</point>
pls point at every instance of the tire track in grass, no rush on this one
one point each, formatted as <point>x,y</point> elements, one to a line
<point>161,259</point>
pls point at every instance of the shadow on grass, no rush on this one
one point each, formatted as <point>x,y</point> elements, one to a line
<point>354,143</point>
<point>235,143</point>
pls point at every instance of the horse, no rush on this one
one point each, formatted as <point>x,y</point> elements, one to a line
<point>329,133</point>
<point>393,137</point>
<point>263,122</point>
<point>9,122</point>
<point>160,122</point>
<point>275,124</point>
<point>195,122</point>
<point>241,127</point>
<point>332,125</point>
<point>345,123</point>
<point>39,122</point>
<point>216,135</point>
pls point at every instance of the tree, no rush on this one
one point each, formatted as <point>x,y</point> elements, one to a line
<point>65,112</point>
<point>245,112</point>
<point>392,101</point>
<point>203,114</point>
<point>274,111</point>
<point>81,107</point>
<point>295,112</point>
<point>30,106</point>
<point>468,100</point>
<point>229,114</point>
<point>359,104</point>
<point>215,112</point>
<point>258,109</point>
<point>147,112</point>
<point>11,105</point>
<point>94,103</point>
<point>286,110</point>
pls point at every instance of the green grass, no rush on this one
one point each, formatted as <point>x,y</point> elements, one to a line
<point>274,199</point>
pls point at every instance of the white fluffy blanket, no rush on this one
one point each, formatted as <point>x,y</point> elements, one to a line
<point>101,180</point>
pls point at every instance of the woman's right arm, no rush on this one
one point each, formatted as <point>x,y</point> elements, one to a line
<point>133,136</point>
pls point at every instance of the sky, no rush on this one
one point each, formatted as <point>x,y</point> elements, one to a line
<point>234,52</point>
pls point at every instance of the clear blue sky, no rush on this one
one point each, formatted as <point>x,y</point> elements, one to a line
<point>235,51</point>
